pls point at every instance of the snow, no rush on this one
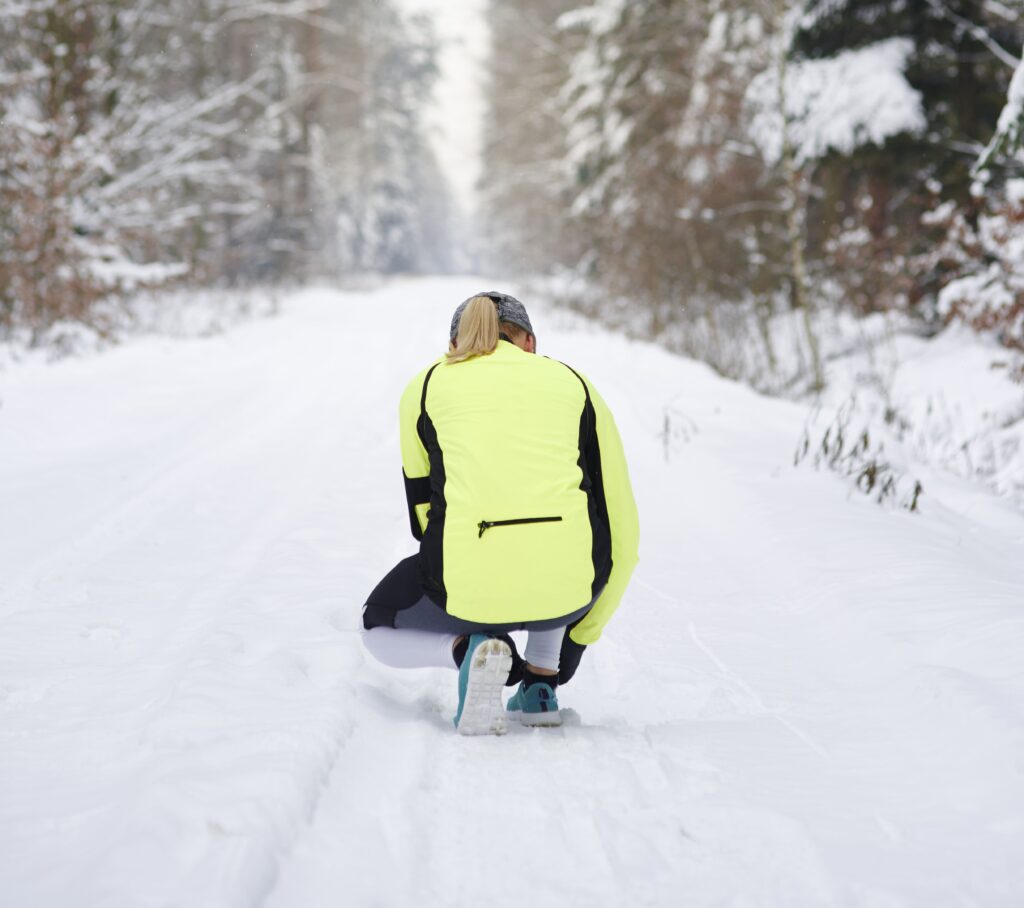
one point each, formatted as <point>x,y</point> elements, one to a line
<point>600,17</point>
<point>182,312</point>
<point>119,271</point>
<point>839,103</point>
<point>939,408</point>
<point>1015,99</point>
<point>805,700</point>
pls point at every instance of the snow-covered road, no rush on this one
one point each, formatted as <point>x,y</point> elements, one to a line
<point>805,700</point>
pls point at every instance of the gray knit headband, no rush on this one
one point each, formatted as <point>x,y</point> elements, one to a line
<point>509,310</point>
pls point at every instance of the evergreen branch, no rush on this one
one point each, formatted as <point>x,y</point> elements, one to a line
<point>977,32</point>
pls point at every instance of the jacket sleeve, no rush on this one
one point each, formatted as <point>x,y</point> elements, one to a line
<point>415,463</point>
<point>622,520</point>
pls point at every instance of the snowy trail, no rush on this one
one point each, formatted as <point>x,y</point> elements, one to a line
<point>805,700</point>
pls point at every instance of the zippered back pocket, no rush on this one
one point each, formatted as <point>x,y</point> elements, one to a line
<point>485,525</point>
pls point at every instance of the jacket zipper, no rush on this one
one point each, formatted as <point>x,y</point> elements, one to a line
<point>485,525</point>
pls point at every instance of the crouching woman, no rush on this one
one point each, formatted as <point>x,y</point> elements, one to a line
<point>520,497</point>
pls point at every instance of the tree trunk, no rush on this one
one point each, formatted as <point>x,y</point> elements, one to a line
<point>793,178</point>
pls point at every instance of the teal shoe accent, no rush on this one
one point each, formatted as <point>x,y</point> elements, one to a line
<point>535,705</point>
<point>482,678</point>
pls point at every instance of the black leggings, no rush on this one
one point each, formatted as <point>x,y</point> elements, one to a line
<point>399,601</point>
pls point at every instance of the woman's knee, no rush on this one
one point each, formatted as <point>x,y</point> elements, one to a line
<point>406,648</point>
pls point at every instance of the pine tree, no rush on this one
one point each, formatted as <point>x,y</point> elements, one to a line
<point>1008,142</point>
<point>983,255</point>
<point>875,186</point>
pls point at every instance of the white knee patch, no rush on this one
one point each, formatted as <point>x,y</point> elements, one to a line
<point>406,648</point>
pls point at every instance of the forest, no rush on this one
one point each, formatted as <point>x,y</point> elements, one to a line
<point>209,142</point>
<point>701,168</point>
<point>698,171</point>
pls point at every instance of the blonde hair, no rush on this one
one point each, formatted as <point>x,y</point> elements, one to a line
<point>480,330</point>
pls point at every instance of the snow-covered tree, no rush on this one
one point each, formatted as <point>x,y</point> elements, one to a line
<point>120,122</point>
<point>674,206</point>
<point>213,140</point>
<point>1008,141</point>
<point>48,154</point>
<point>522,222</point>
<point>891,103</point>
<point>391,178</point>
<point>982,251</point>
<point>629,83</point>
<point>983,258</point>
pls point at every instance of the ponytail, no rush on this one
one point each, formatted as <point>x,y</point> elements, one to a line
<point>478,330</point>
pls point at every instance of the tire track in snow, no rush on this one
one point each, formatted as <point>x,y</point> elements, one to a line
<point>192,713</point>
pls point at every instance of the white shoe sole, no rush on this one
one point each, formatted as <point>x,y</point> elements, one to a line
<point>482,710</point>
<point>537,720</point>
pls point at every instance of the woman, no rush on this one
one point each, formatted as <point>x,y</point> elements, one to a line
<point>519,494</point>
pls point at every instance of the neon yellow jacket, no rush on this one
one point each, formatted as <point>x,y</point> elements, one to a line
<point>518,491</point>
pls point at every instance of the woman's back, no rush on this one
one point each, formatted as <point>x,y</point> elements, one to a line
<point>511,532</point>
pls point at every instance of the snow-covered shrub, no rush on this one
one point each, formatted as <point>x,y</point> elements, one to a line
<point>942,406</point>
<point>985,258</point>
<point>677,429</point>
<point>851,446</point>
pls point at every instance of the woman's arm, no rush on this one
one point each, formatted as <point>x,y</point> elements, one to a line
<point>415,463</point>
<point>622,520</point>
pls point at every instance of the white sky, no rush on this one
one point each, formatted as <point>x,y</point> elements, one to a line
<point>455,121</point>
